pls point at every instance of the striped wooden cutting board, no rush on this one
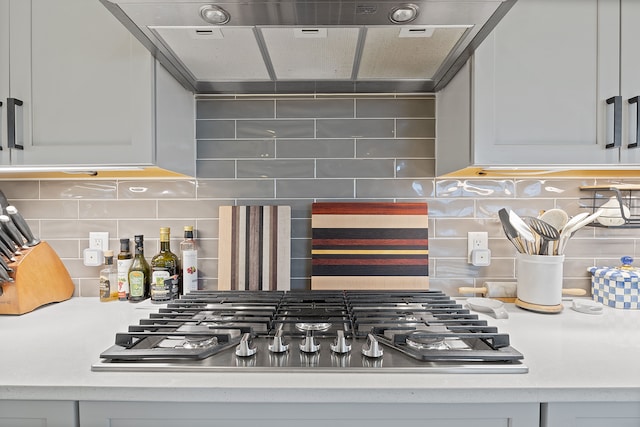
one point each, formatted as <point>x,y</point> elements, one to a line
<point>370,246</point>
<point>254,248</point>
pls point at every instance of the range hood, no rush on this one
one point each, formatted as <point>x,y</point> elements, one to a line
<point>311,46</point>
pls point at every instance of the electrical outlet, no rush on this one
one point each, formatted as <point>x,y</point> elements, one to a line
<point>478,252</point>
<point>93,257</point>
<point>99,240</point>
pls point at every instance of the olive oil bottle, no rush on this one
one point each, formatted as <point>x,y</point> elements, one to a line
<point>139,273</point>
<point>164,271</point>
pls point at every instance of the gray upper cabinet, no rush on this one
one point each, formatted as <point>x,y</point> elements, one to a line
<point>630,80</point>
<point>541,82</point>
<point>4,78</point>
<point>88,87</point>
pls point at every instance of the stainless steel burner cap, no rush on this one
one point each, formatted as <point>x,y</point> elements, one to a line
<point>316,326</point>
<point>419,341</point>
<point>199,342</point>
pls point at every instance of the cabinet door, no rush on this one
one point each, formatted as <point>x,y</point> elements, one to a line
<point>86,84</point>
<point>38,413</point>
<point>540,84</point>
<point>4,78</point>
<point>138,414</point>
<point>630,78</point>
<point>591,414</point>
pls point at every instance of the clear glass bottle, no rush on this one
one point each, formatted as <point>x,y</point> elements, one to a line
<point>164,271</point>
<point>189,261</point>
<point>108,279</point>
<point>125,259</point>
<point>139,273</point>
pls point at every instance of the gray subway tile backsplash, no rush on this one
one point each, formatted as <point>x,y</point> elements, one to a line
<point>294,150</point>
<point>236,189</point>
<point>419,108</point>
<point>315,188</point>
<point>215,129</point>
<point>235,149</point>
<point>407,148</point>
<point>235,109</point>
<point>275,128</point>
<point>315,148</point>
<point>415,128</point>
<point>394,188</point>
<point>314,108</point>
<point>354,128</point>
<point>275,168</point>
<point>225,169</point>
<point>409,168</point>
<point>355,168</point>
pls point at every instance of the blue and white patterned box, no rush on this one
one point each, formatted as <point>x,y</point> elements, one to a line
<point>616,286</point>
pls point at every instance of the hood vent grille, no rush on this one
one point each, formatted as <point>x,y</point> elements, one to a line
<point>291,46</point>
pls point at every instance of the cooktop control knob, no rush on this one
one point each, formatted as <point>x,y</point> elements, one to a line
<point>309,345</point>
<point>372,347</point>
<point>244,349</point>
<point>340,345</point>
<point>278,345</point>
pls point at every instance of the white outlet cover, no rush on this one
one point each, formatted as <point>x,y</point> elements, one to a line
<point>99,240</point>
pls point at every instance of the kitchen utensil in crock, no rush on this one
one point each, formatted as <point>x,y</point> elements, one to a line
<point>509,230</point>
<point>487,305</point>
<point>577,226</point>
<point>557,218</point>
<point>567,230</point>
<point>547,233</point>
<point>523,231</point>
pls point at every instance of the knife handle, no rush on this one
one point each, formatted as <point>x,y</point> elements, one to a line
<point>6,250</point>
<point>22,226</point>
<point>4,265</point>
<point>11,230</point>
<point>4,276</point>
<point>7,243</point>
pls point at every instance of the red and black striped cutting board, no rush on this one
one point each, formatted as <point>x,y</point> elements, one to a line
<point>370,246</point>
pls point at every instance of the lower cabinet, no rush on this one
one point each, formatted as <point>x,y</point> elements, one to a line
<point>164,414</point>
<point>26,413</point>
<point>590,414</point>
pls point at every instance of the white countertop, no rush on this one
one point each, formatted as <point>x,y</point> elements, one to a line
<point>47,354</point>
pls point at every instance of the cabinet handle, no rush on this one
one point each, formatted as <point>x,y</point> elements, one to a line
<point>634,100</point>
<point>617,121</point>
<point>14,124</point>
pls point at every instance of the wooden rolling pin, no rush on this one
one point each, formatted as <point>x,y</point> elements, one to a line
<point>506,291</point>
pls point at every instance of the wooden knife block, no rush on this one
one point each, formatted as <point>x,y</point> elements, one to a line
<point>39,277</point>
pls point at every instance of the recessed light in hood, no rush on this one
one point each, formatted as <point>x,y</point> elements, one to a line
<point>403,14</point>
<point>289,46</point>
<point>214,15</point>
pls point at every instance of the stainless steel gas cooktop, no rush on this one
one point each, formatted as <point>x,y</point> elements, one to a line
<point>358,331</point>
